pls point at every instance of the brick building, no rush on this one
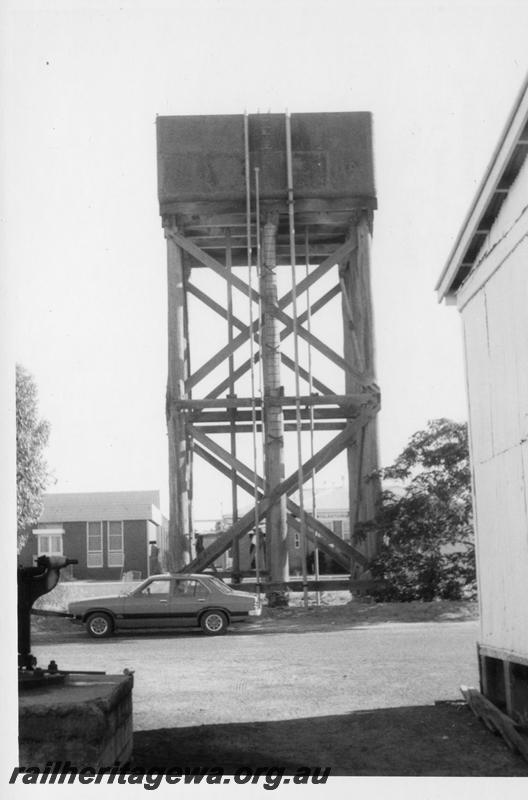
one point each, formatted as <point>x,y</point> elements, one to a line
<point>107,532</point>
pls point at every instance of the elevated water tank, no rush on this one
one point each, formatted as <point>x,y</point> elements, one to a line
<point>202,182</point>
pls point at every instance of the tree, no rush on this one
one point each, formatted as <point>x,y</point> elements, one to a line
<point>31,437</point>
<point>425,530</point>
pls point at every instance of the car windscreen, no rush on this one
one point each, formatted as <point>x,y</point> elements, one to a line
<point>130,589</point>
<point>153,586</point>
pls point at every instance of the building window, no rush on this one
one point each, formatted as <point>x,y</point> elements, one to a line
<point>50,542</point>
<point>94,535</point>
<point>116,556</point>
<point>297,540</point>
<point>337,527</point>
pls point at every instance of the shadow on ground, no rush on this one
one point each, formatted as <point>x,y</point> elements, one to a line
<point>444,739</point>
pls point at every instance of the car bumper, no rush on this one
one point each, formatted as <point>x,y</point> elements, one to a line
<point>255,612</point>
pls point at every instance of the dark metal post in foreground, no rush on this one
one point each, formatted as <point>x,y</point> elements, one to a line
<point>32,583</point>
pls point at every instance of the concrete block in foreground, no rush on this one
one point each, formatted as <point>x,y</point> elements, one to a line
<point>86,721</point>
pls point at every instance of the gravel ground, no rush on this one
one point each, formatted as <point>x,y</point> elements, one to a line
<point>365,689</point>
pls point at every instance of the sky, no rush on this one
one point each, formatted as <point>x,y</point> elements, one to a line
<point>83,254</point>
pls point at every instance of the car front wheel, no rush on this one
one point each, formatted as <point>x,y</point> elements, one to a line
<point>99,625</point>
<point>213,623</point>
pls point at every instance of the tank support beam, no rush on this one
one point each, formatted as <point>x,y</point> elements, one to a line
<point>358,341</point>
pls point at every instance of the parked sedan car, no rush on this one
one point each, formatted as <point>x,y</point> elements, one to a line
<point>168,601</point>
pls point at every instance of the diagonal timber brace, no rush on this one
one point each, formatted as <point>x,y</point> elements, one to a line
<point>318,533</point>
<point>286,360</point>
<point>243,337</point>
<point>246,366</point>
<point>326,540</point>
<point>276,311</point>
<point>316,306</point>
<point>208,261</point>
<point>226,463</point>
<point>334,258</point>
<point>287,487</point>
<point>225,352</point>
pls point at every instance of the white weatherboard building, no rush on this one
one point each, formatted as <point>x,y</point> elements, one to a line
<point>486,276</point>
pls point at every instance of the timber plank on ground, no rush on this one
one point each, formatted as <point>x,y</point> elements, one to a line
<point>513,734</point>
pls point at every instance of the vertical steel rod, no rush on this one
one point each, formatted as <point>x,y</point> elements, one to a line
<point>252,348</point>
<point>259,328</point>
<point>235,570</point>
<point>291,219</point>
<point>310,391</point>
<point>190,440</point>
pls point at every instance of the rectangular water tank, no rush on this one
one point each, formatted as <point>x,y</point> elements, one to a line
<point>201,159</point>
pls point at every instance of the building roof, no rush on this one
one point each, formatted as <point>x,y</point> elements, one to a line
<point>505,165</point>
<point>96,506</point>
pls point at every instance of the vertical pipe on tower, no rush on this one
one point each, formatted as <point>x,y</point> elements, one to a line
<point>178,544</point>
<point>235,569</point>
<point>276,525</point>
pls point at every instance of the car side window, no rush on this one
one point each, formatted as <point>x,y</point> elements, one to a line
<point>190,588</point>
<point>156,588</point>
<point>200,590</point>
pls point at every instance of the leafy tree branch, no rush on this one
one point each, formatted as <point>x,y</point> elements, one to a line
<point>32,436</point>
<point>424,525</point>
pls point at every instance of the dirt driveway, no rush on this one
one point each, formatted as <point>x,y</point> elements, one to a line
<point>353,688</point>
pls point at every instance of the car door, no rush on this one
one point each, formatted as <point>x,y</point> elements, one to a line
<point>188,599</point>
<point>149,606</point>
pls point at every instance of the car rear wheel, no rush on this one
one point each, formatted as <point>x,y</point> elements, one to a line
<point>99,625</point>
<point>213,623</point>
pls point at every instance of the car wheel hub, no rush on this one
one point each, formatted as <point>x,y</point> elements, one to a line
<point>214,622</point>
<point>99,625</point>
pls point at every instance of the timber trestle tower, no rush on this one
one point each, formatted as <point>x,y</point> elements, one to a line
<point>253,199</point>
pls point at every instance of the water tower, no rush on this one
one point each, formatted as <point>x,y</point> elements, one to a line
<point>252,199</point>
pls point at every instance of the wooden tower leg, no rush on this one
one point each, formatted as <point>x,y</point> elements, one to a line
<point>179,460</point>
<point>276,519</point>
<point>359,351</point>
